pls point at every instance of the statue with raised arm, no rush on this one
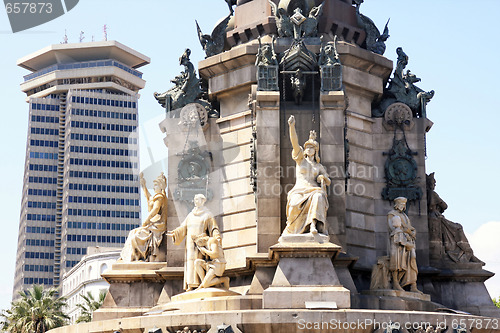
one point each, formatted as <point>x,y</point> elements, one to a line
<point>307,201</point>
<point>211,269</point>
<point>143,243</point>
<point>199,221</point>
<point>402,252</point>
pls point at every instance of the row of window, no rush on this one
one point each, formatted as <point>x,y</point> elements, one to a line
<point>86,64</point>
<point>44,131</point>
<point>42,167</point>
<point>40,242</point>
<point>40,230</point>
<point>103,151</point>
<point>102,213</point>
<point>101,126</point>
<point>47,156</point>
<point>45,281</point>
<point>40,217</point>
<point>103,188</point>
<point>44,143</point>
<point>102,175</point>
<point>76,250</point>
<point>45,107</point>
<point>101,226</point>
<point>47,205</point>
<point>104,163</point>
<point>38,268</point>
<point>103,201</point>
<point>42,180</point>
<point>71,263</point>
<point>102,101</point>
<point>103,114</point>
<point>103,138</point>
<point>38,191</point>
<point>45,119</point>
<point>94,238</point>
<point>39,255</point>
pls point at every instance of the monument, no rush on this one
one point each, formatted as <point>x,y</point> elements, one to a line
<point>264,235</point>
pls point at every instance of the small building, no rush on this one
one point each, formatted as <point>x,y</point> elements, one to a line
<point>85,277</point>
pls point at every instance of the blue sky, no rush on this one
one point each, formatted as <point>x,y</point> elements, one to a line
<point>452,47</point>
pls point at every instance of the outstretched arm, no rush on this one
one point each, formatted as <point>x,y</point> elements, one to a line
<point>293,136</point>
<point>144,187</point>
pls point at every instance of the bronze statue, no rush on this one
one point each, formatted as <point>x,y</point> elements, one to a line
<point>283,22</point>
<point>214,44</point>
<point>449,236</point>
<point>310,25</point>
<point>375,41</point>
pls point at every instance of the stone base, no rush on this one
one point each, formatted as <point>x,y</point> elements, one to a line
<point>284,320</point>
<point>296,297</point>
<point>203,293</point>
<point>398,293</point>
<point>210,304</point>
<point>304,238</point>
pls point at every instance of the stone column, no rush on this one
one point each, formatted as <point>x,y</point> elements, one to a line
<point>332,153</point>
<point>268,169</point>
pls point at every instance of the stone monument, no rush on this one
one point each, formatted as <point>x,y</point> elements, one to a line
<point>299,236</point>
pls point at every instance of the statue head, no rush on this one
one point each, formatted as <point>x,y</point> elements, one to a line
<point>311,144</point>
<point>400,203</point>
<point>430,181</point>
<point>160,183</point>
<point>199,200</point>
<point>184,59</point>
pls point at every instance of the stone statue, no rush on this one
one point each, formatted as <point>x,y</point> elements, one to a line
<point>143,243</point>
<point>375,41</point>
<point>283,21</point>
<point>186,89</point>
<point>199,221</point>
<point>267,67</point>
<point>330,67</point>
<point>402,89</point>
<point>449,236</point>
<point>402,253</point>
<point>307,201</point>
<point>214,44</point>
<point>210,271</point>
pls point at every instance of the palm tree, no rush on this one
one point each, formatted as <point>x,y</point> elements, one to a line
<point>38,311</point>
<point>89,306</point>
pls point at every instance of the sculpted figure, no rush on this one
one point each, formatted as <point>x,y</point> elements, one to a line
<point>214,44</point>
<point>375,41</point>
<point>307,201</point>
<point>283,21</point>
<point>210,270</point>
<point>450,235</point>
<point>199,221</point>
<point>143,243</point>
<point>402,254</point>
<point>330,66</point>
<point>266,56</point>
<point>186,89</point>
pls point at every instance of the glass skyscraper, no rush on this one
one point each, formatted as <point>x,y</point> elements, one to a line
<point>81,185</point>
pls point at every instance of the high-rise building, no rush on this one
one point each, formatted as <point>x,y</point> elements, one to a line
<point>81,184</point>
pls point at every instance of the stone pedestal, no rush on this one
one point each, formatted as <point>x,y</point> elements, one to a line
<point>134,288</point>
<point>305,274</point>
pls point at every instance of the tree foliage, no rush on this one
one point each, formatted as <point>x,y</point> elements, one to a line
<point>37,311</point>
<point>89,306</point>
<point>496,301</point>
